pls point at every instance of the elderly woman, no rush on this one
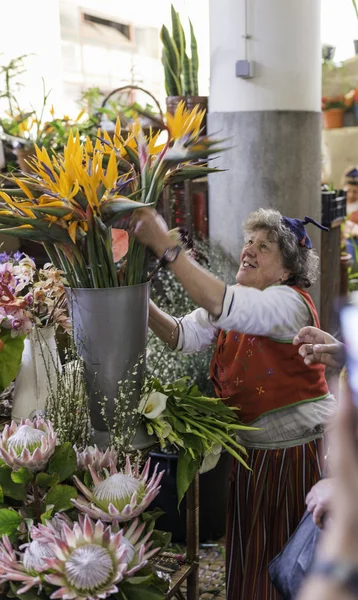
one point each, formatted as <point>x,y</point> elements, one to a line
<point>257,369</point>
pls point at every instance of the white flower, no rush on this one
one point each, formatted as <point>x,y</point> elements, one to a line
<point>153,405</point>
<point>118,496</point>
<point>30,444</point>
<point>211,458</point>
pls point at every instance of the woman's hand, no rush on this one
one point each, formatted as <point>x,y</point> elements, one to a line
<point>320,347</point>
<point>150,229</point>
<point>319,499</point>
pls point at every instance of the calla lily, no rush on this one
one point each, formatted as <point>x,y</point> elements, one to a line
<point>211,458</point>
<point>153,405</point>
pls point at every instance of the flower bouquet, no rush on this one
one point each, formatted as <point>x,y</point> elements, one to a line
<point>71,202</point>
<point>72,521</point>
<point>198,426</point>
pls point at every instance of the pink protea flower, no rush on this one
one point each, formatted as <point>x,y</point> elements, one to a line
<point>138,550</point>
<point>98,460</point>
<point>13,569</point>
<point>89,561</point>
<point>29,444</point>
<point>118,496</point>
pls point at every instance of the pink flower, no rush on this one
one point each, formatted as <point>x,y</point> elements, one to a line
<point>7,275</point>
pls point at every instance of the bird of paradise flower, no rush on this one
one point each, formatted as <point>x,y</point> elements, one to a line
<point>70,202</point>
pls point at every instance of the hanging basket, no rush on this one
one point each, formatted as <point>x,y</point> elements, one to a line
<point>333,118</point>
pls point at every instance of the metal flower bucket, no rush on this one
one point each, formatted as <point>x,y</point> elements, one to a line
<point>110,330</point>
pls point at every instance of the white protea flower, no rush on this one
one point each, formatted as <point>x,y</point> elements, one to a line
<point>92,456</point>
<point>118,496</point>
<point>90,561</point>
<point>138,549</point>
<point>33,559</point>
<point>29,444</point>
<point>153,405</point>
<point>13,569</point>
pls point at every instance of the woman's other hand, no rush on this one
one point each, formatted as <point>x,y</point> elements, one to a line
<point>320,347</point>
<point>150,229</point>
<point>319,499</point>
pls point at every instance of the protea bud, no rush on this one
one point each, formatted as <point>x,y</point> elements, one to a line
<point>29,444</point>
<point>91,456</point>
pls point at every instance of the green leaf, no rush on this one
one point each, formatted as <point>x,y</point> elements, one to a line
<point>47,515</point>
<point>116,208</point>
<point>9,521</point>
<point>13,490</point>
<point>187,467</point>
<point>63,461</point>
<point>1,495</point>
<point>46,480</point>
<point>60,497</point>
<point>10,358</point>
<point>56,211</point>
<point>23,475</point>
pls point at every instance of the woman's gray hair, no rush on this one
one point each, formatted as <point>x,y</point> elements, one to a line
<point>301,262</point>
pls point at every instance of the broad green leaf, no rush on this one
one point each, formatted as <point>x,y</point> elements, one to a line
<point>187,467</point>
<point>60,497</point>
<point>63,461</point>
<point>9,521</point>
<point>23,475</point>
<point>17,491</point>
<point>46,480</point>
<point>1,495</point>
<point>10,358</point>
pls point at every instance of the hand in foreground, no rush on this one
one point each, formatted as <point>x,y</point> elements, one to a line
<point>150,229</point>
<point>319,499</point>
<point>320,347</point>
<point>340,541</point>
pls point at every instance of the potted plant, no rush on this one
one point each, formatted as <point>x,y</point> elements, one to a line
<point>180,71</point>
<point>333,109</point>
<point>70,204</point>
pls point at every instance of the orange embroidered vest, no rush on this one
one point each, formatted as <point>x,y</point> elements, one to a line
<point>261,375</point>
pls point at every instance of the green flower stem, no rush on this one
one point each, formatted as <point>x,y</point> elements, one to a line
<point>220,441</point>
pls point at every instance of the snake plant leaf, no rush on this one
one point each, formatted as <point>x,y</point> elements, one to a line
<point>172,51</point>
<point>187,78</point>
<point>178,33</point>
<point>172,82</point>
<point>194,60</point>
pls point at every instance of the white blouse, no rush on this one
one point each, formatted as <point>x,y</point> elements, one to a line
<point>278,312</point>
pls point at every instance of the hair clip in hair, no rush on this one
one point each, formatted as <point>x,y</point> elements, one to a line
<point>297,226</point>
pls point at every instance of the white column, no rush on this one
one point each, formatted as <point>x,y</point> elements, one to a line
<point>272,120</point>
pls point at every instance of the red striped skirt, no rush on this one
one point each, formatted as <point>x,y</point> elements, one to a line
<point>265,507</point>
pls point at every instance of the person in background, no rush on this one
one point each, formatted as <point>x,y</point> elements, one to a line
<point>334,573</point>
<point>257,369</point>
<point>350,227</point>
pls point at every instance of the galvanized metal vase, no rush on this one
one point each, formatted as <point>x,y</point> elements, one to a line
<point>110,330</point>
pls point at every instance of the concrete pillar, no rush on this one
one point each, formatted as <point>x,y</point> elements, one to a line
<point>272,120</point>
